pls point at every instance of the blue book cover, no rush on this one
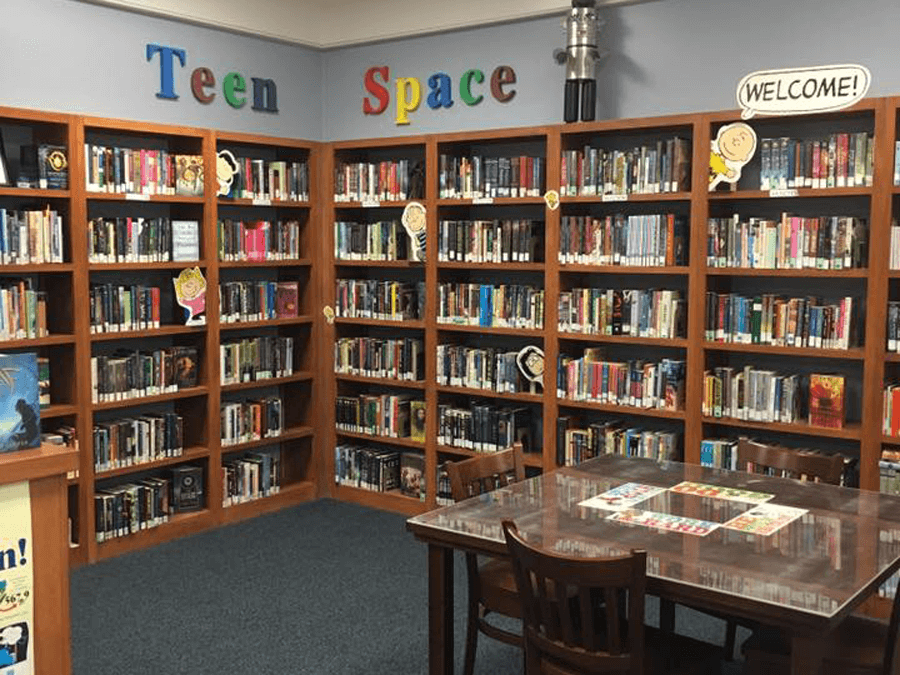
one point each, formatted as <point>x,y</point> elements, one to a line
<point>20,416</point>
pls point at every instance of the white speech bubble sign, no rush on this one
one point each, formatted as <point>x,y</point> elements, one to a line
<point>795,91</point>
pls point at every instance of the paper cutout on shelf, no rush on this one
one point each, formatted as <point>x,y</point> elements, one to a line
<point>329,314</point>
<point>622,497</point>
<point>796,91</point>
<point>733,147</point>
<point>226,169</point>
<point>530,360</point>
<point>415,222</point>
<point>190,292</point>
<point>551,198</point>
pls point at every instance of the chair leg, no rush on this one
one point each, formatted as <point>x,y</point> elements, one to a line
<point>471,637</point>
<point>730,637</point>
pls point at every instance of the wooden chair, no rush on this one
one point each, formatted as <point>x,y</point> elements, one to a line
<point>492,588</point>
<point>585,616</point>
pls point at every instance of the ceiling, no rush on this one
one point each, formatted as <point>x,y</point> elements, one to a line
<point>325,24</point>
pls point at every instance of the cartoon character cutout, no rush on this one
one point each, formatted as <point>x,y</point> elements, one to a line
<point>551,198</point>
<point>733,147</point>
<point>226,169</point>
<point>414,221</point>
<point>190,292</point>
<point>530,360</point>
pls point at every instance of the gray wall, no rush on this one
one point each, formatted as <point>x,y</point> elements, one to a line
<point>67,56</point>
<point>669,56</point>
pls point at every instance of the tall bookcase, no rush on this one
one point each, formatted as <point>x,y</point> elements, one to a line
<point>71,343</point>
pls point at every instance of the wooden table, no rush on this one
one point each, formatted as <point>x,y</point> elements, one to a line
<point>805,578</point>
<point>45,469</point>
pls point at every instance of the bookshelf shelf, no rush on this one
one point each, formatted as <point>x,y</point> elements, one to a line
<point>374,204</point>
<point>190,454</point>
<point>58,410</point>
<point>380,322</point>
<point>148,333</point>
<point>854,353</point>
<point>189,392</point>
<point>34,193</point>
<point>488,393</point>
<point>393,500</point>
<point>674,270</point>
<point>390,440</point>
<point>532,459</point>
<point>621,409</point>
<point>48,268</point>
<point>798,273</point>
<point>287,435</point>
<point>495,201</point>
<point>892,357</point>
<point>506,266</point>
<point>288,321</point>
<point>179,525</point>
<point>143,266</point>
<point>606,199</point>
<point>303,376</point>
<point>491,330</point>
<point>624,339</point>
<point>288,495</point>
<point>802,193</point>
<point>890,440</point>
<point>137,198</point>
<point>274,203</point>
<point>237,264</point>
<point>395,264</point>
<point>25,343</point>
<point>850,431</point>
<point>384,382</point>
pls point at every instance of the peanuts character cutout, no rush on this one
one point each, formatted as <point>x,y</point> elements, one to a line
<point>733,147</point>
<point>226,170</point>
<point>413,220</point>
<point>531,363</point>
<point>190,292</point>
<point>551,198</point>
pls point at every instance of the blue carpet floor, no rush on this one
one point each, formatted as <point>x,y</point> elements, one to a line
<point>320,589</point>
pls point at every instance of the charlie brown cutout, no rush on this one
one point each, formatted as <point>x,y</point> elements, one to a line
<point>414,221</point>
<point>733,147</point>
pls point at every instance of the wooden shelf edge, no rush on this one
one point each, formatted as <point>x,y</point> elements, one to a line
<point>179,525</point>
<point>850,432</point>
<point>189,455</point>
<point>302,376</point>
<point>289,495</point>
<point>162,331</point>
<point>37,463</point>
<point>383,382</point>
<point>145,400</point>
<point>623,339</point>
<point>288,435</point>
<point>489,393</point>
<point>47,341</point>
<point>237,264</point>
<point>286,321</point>
<point>386,440</point>
<point>675,270</point>
<point>853,353</point>
<point>620,409</point>
<point>393,501</point>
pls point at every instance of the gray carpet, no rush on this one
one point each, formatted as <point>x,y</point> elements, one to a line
<point>323,588</point>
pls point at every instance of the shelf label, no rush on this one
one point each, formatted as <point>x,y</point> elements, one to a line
<point>137,197</point>
<point>370,203</point>
<point>791,192</point>
<point>261,201</point>
<point>615,198</point>
<point>482,200</point>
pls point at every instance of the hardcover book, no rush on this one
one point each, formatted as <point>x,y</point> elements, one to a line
<point>19,402</point>
<point>826,401</point>
<point>185,240</point>
<point>417,421</point>
<point>187,489</point>
<point>189,175</point>
<point>185,366</point>
<point>286,295</point>
<point>53,167</point>
<point>43,364</point>
<point>412,475</point>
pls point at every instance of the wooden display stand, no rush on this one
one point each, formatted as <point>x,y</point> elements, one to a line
<point>46,469</point>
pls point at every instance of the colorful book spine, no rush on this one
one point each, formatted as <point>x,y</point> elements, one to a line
<point>381,300</point>
<point>383,358</point>
<point>489,241</point>
<point>751,394</point>
<point>481,177</point>
<point>658,240</point>
<point>499,305</point>
<point>255,359</point>
<point>577,442</point>
<point>384,240</point>
<point>117,308</point>
<point>488,368</point>
<point>374,181</point>
<point>258,240</point>
<point>253,476</point>
<point>636,313</point>
<point>31,237</point>
<point>253,420</point>
<point>137,440</point>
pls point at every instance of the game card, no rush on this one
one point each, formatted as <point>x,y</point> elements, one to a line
<point>721,492</point>
<point>664,521</point>
<point>764,519</point>
<point>622,497</point>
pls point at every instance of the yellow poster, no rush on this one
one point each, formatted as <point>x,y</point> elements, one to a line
<point>16,581</point>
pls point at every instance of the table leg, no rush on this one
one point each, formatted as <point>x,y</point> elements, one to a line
<point>806,655</point>
<point>440,610</point>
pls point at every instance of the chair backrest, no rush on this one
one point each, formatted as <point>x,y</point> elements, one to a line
<point>798,463</point>
<point>892,648</point>
<point>571,609</point>
<point>472,477</point>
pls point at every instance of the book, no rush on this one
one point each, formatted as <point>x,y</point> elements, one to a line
<point>417,421</point>
<point>412,475</point>
<point>826,401</point>
<point>53,167</point>
<point>43,364</point>
<point>19,402</point>
<point>185,240</point>
<point>189,175</point>
<point>185,367</point>
<point>286,299</point>
<point>187,489</point>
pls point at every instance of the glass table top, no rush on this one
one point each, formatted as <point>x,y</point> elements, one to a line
<point>838,541</point>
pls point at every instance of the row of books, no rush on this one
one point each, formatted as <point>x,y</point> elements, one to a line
<point>485,427</point>
<point>501,305</point>
<point>383,240</point>
<point>385,358</point>
<point>794,242</point>
<point>392,415</point>
<point>117,308</point>
<point>783,322</point>
<point>646,169</point>
<point>142,171</point>
<point>241,301</point>
<point>258,240</point>
<point>636,383</point>
<point>891,409</point>
<point>383,300</point>
<point>642,313</point>
<point>253,420</point>
<point>137,440</point>
<point>23,311</point>
<point>257,358</point>
<point>142,505</point>
<point>136,374</point>
<point>656,240</point>
<point>889,471</point>
<point>479,177</point>
<point>722,453</point>
<point>377,181</point>
<point>377,469</point>
<point>577,442</point>
<point>841,160</point>
<point>252,476</point>
<point>31,237</point>
<point>268,180</point>
<point>489,368</point>
<point>142,240</point>
<point>490,241</point>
